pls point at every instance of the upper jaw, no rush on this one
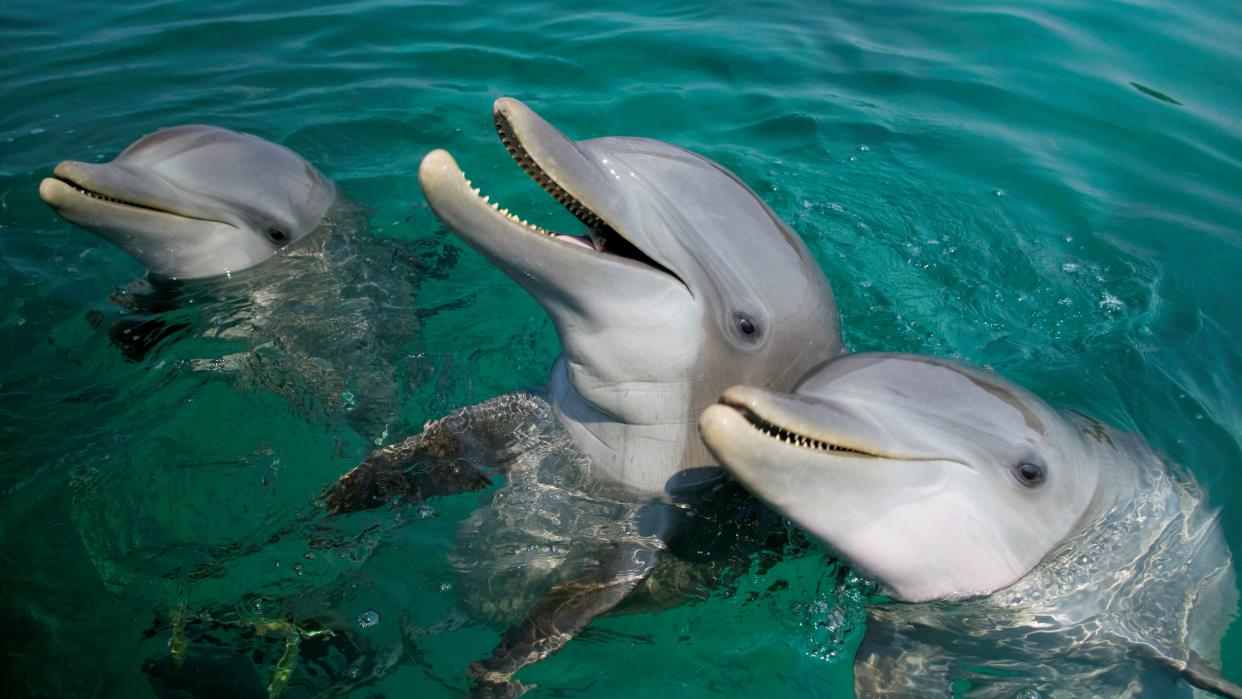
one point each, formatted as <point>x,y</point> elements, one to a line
<point>838,430</point>
<point>792,422</point>
<point>99,188</point>
<point>568,174</point>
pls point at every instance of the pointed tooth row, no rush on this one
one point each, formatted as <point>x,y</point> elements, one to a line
<point>527,163</point>
<point>796,439</point>
<point>95,195</point>
<point>496,206</point>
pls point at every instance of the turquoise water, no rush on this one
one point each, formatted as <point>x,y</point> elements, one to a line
<point>1052,191</point>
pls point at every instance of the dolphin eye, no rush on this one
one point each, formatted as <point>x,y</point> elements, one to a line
<point>278,236</point>
<point>745,325</point>
<point>1029,474</point>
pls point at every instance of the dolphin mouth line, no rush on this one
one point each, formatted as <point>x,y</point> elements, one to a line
<point>792,438</point>
<point>99,196</point>
<point>511,142</point>
<point>600,235</point>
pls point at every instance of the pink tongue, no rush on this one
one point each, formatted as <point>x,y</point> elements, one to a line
<point>576,241</point>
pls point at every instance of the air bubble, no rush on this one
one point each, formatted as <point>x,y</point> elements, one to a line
<point>368,618</point>
<point>1111,303</point>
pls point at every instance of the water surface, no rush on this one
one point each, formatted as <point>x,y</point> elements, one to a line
<point>1052,191</point>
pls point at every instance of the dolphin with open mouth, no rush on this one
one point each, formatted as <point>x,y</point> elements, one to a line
<point>682,280</point>
<point>682,283</point>
<point>1037,552</point>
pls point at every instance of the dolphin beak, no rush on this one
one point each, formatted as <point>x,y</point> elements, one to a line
<point>551,158</point>
<point>99,187</point>
<point>54,192</point>
<point>554,267</point>
<point>500,235</point>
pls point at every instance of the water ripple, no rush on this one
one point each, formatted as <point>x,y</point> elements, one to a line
<point>1050,190</point>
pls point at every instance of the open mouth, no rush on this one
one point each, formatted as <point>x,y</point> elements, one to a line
<point>790,437</point>
<point>599,236</point>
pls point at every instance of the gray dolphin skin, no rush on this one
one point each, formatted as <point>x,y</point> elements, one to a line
<point>250,248</point>
<point>194,201</point>
<point>683,283</point>
<point>1038,552</point>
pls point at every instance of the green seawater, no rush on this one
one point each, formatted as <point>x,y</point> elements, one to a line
<point>1053,190</point>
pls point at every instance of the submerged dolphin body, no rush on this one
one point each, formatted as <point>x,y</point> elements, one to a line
<point>684,282</point>
<point>195,201</point>
<point>1043,551</point>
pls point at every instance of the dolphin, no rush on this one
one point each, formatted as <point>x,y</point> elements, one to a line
<point>246,242</point>
<point>1037,552</point>
<point>683,282</point>
<point>195,201</point>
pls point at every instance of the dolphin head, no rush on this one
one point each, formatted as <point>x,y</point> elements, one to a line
<point>684,282</point>
<point>194,201</point>
<point>939,480</point>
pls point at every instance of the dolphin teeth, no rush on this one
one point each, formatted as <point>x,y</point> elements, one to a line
<point>524,159</point>
<point>599,227</point>
<point>486,199</point>
<point>793,438</point>
<point>101,197</point>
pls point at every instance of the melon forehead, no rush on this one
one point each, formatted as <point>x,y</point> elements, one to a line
<point>985,402</point>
